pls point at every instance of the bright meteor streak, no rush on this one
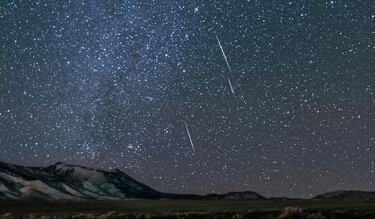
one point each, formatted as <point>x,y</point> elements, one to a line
<point>191,141</point>
<point>225,57</point>
<point>226,61</point>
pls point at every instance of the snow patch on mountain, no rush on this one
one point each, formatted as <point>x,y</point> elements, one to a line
<point>71,191</point>
<point>3,188</point>
<point>83,173</point>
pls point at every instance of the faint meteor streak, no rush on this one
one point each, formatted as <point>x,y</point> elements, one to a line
<point>29,107</point>
<point>230,85</point>
<point>226,61</point>
<point>191,141</point>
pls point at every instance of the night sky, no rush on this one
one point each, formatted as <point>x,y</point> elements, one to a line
<point>118,84</point>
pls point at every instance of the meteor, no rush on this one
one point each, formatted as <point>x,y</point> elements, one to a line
<point>230,85</point>
<point>226,61</point>
<point>225,57</point>
<point>191,141</point>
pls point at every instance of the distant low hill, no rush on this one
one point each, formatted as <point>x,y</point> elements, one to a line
<point>347,195</point>
<point>62,181</point>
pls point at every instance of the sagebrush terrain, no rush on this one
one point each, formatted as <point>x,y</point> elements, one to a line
<point>189,209</point>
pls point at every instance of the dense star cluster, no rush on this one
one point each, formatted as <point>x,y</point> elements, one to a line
<point>118,84</point>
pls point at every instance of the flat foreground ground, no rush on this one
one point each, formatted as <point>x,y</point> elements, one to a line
<point>163,206</point>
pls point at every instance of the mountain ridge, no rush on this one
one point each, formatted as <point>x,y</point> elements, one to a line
<point>62,181</point>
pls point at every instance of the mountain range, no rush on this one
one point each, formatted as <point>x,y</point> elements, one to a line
<point>63,181</point>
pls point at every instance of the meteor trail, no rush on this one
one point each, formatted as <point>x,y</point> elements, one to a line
<point>225,57</point>
<point>226,61</point>
<point>230,85</point>
<point>191,141</point>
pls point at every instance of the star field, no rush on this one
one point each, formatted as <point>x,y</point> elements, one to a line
<point>111,84</point>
